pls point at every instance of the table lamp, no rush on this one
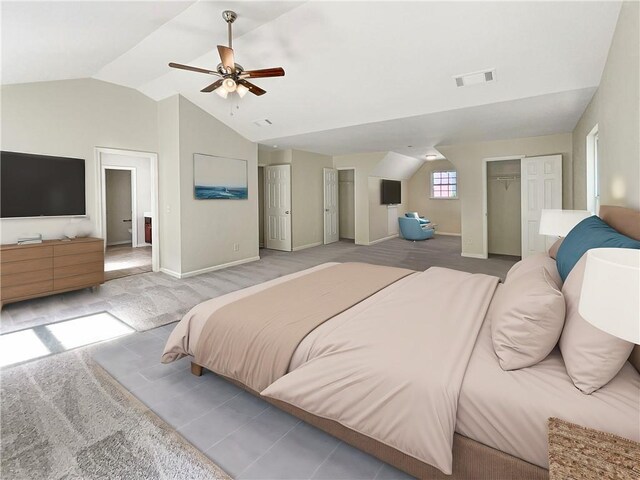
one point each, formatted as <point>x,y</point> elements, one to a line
<point>610,297</point>
<point>558,223</point>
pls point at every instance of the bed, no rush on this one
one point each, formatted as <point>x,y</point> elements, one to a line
<point>418,388</point>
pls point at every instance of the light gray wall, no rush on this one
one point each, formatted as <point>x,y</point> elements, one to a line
<point>379,214</point>
<point>210,228</point>
<point>169,181</point>
<point>307,197</point>
<point>70,118</point>
<point>444,213</point>
<point>615,108</point>
<point>363,163</point>
<point>468,161</point>
<point>307,220</point>
<point>118,206</point>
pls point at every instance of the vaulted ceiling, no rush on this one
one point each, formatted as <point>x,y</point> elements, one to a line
<point>360,76</point>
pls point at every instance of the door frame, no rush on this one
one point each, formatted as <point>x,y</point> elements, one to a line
<point>355,198</point>
<point>485,207</point>
<point>134,207</point>
<point>101,197</point>
<point>264,244</point>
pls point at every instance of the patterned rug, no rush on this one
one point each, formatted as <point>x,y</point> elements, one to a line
<point>64,417</point>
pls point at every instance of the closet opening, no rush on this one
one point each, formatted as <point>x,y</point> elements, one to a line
<point>347,204</point>
<point>504,208</point>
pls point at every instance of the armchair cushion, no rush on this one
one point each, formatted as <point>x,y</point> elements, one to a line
<point>422,220</point>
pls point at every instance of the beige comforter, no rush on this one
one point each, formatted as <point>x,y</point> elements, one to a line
<point>252,339</point>
<point>392,368</point>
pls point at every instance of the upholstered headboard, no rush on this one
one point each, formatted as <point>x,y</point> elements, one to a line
<point>627,222</point>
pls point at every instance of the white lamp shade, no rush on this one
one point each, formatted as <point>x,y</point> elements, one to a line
<point>222,92</point>
<point>241,90</point>
<point>558,223</point>
<point>610,297</point>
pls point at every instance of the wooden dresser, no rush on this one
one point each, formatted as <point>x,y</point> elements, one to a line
<point>53,266</point>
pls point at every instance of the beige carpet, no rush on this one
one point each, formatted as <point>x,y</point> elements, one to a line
<point>63,417</point>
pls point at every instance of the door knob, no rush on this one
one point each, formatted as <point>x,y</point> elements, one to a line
<point>287,212</point>
<point>326,209</point>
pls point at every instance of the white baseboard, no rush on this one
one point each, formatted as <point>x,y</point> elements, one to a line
<point>193,273</point>
<point>448,234</point>
<point>170,272</point>
<point>303,247</point>
<point>473,255</point>
<point>383,239</point>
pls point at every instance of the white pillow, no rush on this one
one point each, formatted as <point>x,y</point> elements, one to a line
<point>527,315</point>
<point>592,357</point>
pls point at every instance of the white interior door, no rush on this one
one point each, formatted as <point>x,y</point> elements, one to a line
<point>541,185</point>
<point>277,206</point>
<point>331,219</point>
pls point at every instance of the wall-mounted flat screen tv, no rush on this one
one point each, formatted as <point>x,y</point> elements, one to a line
<point>391,192</point>
<point>41,186</point>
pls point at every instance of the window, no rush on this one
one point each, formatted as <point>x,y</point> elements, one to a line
<point>444,184</point>
<point>593,185</point>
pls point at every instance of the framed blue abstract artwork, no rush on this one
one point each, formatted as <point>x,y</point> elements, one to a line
<point>219,178</point>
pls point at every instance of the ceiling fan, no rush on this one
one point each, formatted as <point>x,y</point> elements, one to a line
<point>233,78</point>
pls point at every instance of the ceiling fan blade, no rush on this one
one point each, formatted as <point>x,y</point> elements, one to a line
<point>213,86</point>
<point>256,90</point>
<point>265,72</point>
<point>226,55</point>
<point>193,69</point>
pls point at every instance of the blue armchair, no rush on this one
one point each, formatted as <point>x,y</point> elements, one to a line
<point>412,230</point>
<point>422,220</point>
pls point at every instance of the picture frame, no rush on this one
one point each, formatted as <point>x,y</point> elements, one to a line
<point>219,178</point>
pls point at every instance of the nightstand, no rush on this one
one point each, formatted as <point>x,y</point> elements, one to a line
<point>582,453</point>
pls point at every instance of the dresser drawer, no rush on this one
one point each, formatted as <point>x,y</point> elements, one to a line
<point>25,278</point>
<point>73,248</point>
<point>19,291</point>
<point>78,281</point>
<point>26,253</point>
<point>10,268</point>
<point>79,269</point>
<point>67,260</point>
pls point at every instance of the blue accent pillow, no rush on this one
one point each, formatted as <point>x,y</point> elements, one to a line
<point>590,233</point>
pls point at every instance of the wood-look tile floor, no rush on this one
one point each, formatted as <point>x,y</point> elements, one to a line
<point>242,434</point>
<point>124,260</point>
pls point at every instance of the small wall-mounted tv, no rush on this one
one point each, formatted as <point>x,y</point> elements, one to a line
<point>391,192</point>
<point>41,186</point>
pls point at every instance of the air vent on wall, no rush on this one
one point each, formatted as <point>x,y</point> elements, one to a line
<point>475,78</point>
<point>263,123</point>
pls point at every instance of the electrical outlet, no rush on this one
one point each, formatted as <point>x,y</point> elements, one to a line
<point>236,247</point>
<point>168,208</point>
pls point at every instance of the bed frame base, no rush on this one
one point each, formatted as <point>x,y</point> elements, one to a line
<point>196,369</point>
<point>471,459</point>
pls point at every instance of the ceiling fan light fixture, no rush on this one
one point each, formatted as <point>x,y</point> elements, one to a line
<point>229,85</point>
<point>221,91</point>
<point>241,90</point>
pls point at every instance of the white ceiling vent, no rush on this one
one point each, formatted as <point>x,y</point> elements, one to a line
<point>475,78</point>
<point>263,123</point>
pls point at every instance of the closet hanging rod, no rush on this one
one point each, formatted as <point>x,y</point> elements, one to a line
<point>514,177</point>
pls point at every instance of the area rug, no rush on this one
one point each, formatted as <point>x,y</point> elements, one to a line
<point>65,417</point>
